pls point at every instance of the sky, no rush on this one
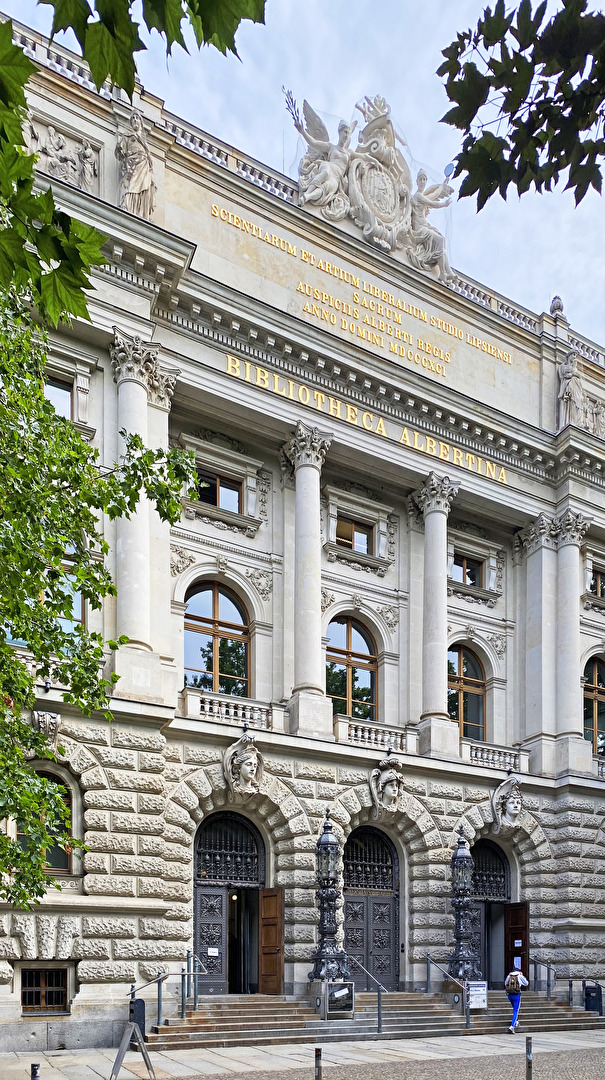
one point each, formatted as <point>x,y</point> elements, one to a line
<point>333,53</point>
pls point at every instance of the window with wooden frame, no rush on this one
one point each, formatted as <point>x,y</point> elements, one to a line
<point>44,990</point>
<point>597,582</point>
<point>594,704</point>
<point>57,859</point>
<point>467,571</point>
<point>351,669</point>
<point>354,535</point>
<point>220,491</point>
<point>60,395</point>
<point>466,692</point>
<point>217,641</point>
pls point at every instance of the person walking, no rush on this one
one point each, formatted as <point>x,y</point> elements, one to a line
<point>512,984</point>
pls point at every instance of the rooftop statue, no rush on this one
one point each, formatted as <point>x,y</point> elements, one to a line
<point>372,184</point>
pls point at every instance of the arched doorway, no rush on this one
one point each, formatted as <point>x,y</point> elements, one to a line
<point>371,895</point>
<point>238,924</point>
<point>500,928</point>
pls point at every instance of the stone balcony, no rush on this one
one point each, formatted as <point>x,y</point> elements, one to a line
<point>227,709</point>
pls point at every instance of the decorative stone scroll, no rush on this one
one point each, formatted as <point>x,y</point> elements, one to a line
<point>47,723</point>
<point>372,184</point>
<point>136,170</point>
<point>180,560</point>
<point>243,766</point>
<point>133,358</point>
<point>507,804</point>
<point>386,786</point>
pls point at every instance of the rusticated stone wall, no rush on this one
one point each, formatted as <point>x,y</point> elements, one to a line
<point>143,798</point>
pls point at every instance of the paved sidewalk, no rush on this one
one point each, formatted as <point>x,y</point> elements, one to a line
<point>577,1055</point>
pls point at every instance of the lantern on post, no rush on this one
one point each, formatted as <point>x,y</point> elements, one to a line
<point>464,961</point>
<point>329,962</point>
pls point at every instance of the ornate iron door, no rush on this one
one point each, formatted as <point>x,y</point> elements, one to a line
<point>229,855</point>
<point>371,938</point>
<point>211,938</point>
<point>371,909</point>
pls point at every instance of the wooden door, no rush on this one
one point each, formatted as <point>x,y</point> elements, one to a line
<point>516,936</point>
<point>271,942</point>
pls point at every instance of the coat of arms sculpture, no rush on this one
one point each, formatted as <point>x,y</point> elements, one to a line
<point>372,185</point>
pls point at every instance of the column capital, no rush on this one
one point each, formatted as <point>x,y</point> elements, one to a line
<point>572,528</point>
<point>136,360</point>
<point>543,532</point>
<point>437,493</point>
<point>307,446</point>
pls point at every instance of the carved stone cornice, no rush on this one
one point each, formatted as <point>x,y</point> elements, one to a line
<point>137,360</point>
<point>437,493</point>
<point>572,528</point>
<point>307,446</point>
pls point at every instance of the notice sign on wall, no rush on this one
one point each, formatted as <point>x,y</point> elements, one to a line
<point>477,995</point>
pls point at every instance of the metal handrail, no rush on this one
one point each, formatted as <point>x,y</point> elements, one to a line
<point>550,971</point>
<point>369,974</point>
<point>466,996</point>
<point>135,989</point>
<point>443,972</point>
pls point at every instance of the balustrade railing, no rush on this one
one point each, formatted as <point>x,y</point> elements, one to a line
<point>494,757</point>
<point>372,735</point>
<point>225,709</point>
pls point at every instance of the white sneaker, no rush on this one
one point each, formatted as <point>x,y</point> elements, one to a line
<point>512,1030</point>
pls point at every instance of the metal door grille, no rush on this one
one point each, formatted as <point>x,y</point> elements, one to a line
<point>491,876</point>
<point>229,850</point>
<point>368,861</point>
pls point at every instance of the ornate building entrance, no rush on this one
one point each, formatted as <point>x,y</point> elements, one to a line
<point>371,895</point>
<point>238,924</point>
<point>500,929</point>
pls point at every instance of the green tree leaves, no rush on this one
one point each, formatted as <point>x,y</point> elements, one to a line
<point>52,500</point>
<point>537,87</point>
<point>109,35</point>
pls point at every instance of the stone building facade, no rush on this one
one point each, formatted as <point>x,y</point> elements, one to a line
<point>386,600</point>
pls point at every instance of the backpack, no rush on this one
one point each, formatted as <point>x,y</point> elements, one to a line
<point>513,986</point>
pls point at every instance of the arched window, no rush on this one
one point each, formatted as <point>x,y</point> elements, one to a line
<point>57,859</point>
<point>351,669</point>
<point>466,692</point>
<point>216,641</point>
<point>594,703</point>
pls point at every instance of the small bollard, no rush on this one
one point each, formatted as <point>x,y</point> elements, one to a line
<point>34,1072</point>
<point>318,1063</point>
<point>529,1058</point>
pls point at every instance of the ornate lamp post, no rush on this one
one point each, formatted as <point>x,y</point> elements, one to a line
<point>329,962</point>
<point>464,963</point>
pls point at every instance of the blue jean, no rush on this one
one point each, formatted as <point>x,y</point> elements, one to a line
<point>515,1000</point>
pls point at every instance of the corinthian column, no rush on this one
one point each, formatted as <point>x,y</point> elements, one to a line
<point>139,380</point>
<point>439,737</point>
<point>573,752</point>
<point>309,709</point>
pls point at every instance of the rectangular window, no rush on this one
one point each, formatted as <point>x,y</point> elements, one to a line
<point>597,584</point>
<point>60,396</point>
<point>220,491</point>
<point>44,990</point>
<point>353,535</point>
<point>467,571</point>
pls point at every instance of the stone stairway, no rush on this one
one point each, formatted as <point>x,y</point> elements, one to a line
<point>243,1020</point>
